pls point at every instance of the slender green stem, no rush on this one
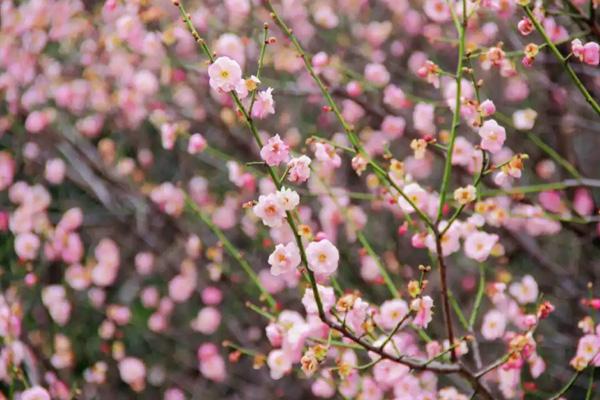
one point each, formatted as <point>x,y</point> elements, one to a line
<point>588,97</point>
<point>478,297</point>
<point>590,390</point>
<point>568,386</point>
<point>458,311</point>
<point>461,28</point>
<point>382,270</point>
<point>261,60</point>
<point>541,187</point>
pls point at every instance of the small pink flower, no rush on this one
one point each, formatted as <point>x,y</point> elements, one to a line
<point>393,126</point>
<point>487,108</point>
<point>299,169</point>
<point>423,307</point>
<point>577,49</point>
<point>224,74</point>
<point>55,171</point>
<point>525,291</point>
<point>391,313</point>
<point>168,135</point>
<point>207,321</point>
<point>144,263</point>
<point>377,74</point>
<point>264,104</point>
<point>35,393</point>
<point>284,259</point>
<point>275,151</point>
<point>423,115</point>
<point>7,169</point>
<point>132,371</point>
<point>326,294</point>
<point>494,324</point>
<point>591,53</point>
<point>211,295</point>
<point>492,136</point>
<point>525,26</point>
<point>478,245</point>
<point>27,246</point>
<point>417,196</point>
<point>437,10</point>
<point>270,209</point>
<point>326,153</point>
<point>394,97</point>
<point>323,257</point>
<point>279,363</point>
<point>354,89</point>
<point>196,144</point>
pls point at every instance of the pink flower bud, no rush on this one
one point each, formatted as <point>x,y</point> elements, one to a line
<point>354,89</point>
<point>487,108</point>
<point>196,144</point>
<point>525,26</point>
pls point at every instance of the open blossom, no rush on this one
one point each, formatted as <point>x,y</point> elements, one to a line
<point>326,153</point>
<point>275,151</point>
<point>377,74</point>
<point>279,363</point>
<point>270,209</point>
<point>525,291</point>
<point>323,257</point>
<point>417,196</point>
<point>133,372</point>
<point>465,195</point>
<point>394,97</point>
<point>437,10</point>
<point>207,321</point>
<point>299,169</point>
<point>524,119</point>
<point>35,393</point>
<point>423,308</point>
<point>492,136</point>
<point>55,171</point>
<point>284,259</point>
<point>391,313</point>
<point>225,74</point>
<point>487,108</point>
<point>326,294</point>
<point>264,104</point>
<point>478,245</point>
<point>588,53</point>
<point>211,364</point>
<point>494,324</point>
<point>289,198</point>
<point>27,245</point>
<point>588,351</point>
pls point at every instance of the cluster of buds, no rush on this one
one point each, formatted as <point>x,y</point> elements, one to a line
<point>531,51</point>
<point>397,169</point>
<point>430,71</point>
<point>514,167</point>
<point>312,358</point>
<point>419,146</point>
<point>495,55</point>
<point>521,347</point>
<point>545,309</point>
<point>359,164</point>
